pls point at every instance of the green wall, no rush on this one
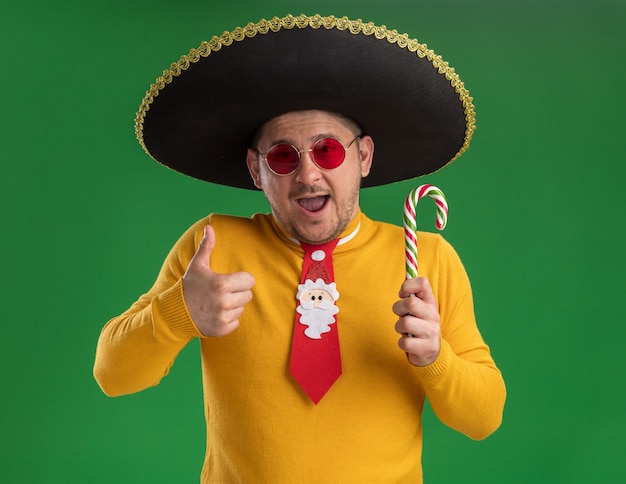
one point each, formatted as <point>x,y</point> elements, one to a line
<point>536,212</point>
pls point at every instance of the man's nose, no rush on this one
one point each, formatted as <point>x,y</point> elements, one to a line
<point>307,172</point>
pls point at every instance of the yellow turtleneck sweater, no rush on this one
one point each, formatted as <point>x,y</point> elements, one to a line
<point>261,427</point>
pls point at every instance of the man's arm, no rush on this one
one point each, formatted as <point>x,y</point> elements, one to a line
<point>440,336</point>
<point>137,348</point>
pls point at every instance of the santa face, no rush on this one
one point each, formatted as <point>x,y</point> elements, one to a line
<point>317,307</point>
<point>316,298</point>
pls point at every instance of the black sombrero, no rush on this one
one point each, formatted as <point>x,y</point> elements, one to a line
<point>198,118</point>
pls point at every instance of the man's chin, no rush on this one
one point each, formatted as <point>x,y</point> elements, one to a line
<point>316,233</point>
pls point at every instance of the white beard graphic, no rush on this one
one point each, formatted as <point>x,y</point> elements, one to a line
<point>318,316</point>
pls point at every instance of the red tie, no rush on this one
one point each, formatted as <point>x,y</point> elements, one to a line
<point>315,358</point>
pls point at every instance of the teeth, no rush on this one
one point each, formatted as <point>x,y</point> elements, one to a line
<point>314,204</point>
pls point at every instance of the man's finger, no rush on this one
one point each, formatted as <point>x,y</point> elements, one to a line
<point>205,249</point>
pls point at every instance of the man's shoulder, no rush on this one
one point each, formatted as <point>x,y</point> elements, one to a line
<point>224,220</point>
<point>240,226</point>
<point>428,241</point>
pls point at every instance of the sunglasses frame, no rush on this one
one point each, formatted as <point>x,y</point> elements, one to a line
<point>310,150</point>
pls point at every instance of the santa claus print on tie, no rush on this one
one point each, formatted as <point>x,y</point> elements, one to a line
<point>317,307</point>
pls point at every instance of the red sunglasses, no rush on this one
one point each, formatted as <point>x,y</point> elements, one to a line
<point>327,153</point>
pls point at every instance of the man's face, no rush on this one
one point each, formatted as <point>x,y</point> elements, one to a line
<point>312,204</point>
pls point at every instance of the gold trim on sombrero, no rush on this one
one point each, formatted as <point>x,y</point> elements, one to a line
<point>316,22</point>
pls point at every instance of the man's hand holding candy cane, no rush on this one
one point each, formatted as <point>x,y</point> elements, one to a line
<point>418,321</point>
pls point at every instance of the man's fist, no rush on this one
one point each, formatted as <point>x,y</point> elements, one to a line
<point>419,322</point>
<point>214,301</point>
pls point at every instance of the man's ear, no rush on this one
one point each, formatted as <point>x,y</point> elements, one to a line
<point>252,160</point>
<point>366,154</point>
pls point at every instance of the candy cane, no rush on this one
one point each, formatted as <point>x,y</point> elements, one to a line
<point>410,222</point>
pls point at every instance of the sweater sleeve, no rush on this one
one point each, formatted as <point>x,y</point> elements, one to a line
<point>464,387</point>
<point>137,348</point>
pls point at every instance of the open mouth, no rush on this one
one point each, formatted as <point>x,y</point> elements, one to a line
<point>313,204</point>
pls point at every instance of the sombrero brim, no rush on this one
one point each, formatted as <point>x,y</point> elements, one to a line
<point>198,118</point>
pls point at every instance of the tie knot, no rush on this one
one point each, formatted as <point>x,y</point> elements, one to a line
<point>319,250</point>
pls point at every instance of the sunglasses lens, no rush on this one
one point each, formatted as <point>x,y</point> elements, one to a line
<point>328,153</point>
<point>283,159</point>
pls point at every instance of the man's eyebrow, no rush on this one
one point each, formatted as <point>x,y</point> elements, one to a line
<point>324,135</point>
<point>312,140</point>
<point>280,141</point>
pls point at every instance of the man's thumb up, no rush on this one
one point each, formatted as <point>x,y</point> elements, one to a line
<point>202,257</point>
<point>214,301</point>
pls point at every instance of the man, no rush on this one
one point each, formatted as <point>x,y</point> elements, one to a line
<point>290,398</point>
